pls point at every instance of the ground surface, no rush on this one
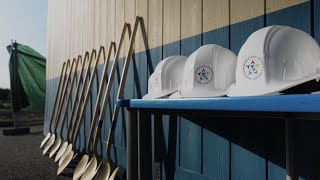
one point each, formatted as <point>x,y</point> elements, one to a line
<point>21,158</point>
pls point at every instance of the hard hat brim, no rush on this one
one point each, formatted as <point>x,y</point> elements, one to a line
<point>272,88</point>
<point>157,95</point>
<point>197,93</point>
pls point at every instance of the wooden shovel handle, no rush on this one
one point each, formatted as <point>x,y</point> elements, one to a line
<point>57,94</point>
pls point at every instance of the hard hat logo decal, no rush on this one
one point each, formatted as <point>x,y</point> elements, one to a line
<point>203,75</point>
<point>253,67</point>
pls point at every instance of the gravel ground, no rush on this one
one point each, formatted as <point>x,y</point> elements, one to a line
<point>21,158</point>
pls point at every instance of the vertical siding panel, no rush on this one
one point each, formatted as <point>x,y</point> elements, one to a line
<point>191,26</point>
<point>298,15</point>
<point>216,146</point>
<point>111,26</point>
<point>66,41</point>
<point>242,27</point>
<point>171,27</point>
<point>191,138</point>
<point>103,38</point>
<point>171,46</point>
<point>155,33</point>
<point>96,45</point>
<point>120,15</point>
<point>276,149</point>
<point>65,56</point>
<point>104,42</point>
<point>48,88</point>
<point>85,47</point>
<point>140,58</point>
<point>216,30</point>
<point>316,20</point>
<point>129,16</point>
<point>155,36</point>
<point>247,162</point>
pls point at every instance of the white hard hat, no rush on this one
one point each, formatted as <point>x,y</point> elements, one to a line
<point>274,59</point>
<point>166,78</point>
<point>208,72</point>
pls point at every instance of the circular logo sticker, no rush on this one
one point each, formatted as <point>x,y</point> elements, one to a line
<point>253,67</point>
<point>203,75</point>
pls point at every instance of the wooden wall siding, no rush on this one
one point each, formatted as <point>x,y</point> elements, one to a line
<point>221,148</point>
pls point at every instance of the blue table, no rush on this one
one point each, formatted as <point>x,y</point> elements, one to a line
<point>284,106</point>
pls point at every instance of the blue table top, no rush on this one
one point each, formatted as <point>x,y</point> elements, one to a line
<point>277,103</point>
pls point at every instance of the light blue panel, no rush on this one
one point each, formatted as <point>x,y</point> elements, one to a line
<point>276,172</point>
<point>191,44</point>
<point>218,36</point>
<point>171,49</point>
<point>240,32</point>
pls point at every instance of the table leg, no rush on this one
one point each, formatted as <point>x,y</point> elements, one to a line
<point>156,149</point>
<point>290,150</point>
<point>132,144</point>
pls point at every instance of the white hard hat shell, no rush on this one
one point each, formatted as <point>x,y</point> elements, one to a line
<point>208,72</point>
<point>166,78</point>
<point>274,59</point>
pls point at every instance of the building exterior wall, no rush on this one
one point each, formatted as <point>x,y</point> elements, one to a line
<point>221,149</point>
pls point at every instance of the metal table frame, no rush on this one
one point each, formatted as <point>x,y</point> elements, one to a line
<point>143,154</point>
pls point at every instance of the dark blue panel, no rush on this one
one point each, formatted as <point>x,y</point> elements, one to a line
<point>119,156</point>
<point>248,149</point>
<point>168,50</point>
<point>190,143</point>
<point>297,16</point>
<point>118,134</point>
<point>140,63</point>
<point>191,132</point>
<point>191,44</point>
<point>275,148</point>
<point>171,49</point>
<point>239,32</point>
<point>306,148</point>
<point>185,174</point>
<point>216,148</point>
<point>316,20</point>
<point>99,74</point>
<point>154,57</point>
<point>218,36</point>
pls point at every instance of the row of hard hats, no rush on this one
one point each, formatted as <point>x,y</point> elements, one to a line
<point>272,59</point>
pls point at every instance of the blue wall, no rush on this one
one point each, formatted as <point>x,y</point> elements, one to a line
<point>224,148</point>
